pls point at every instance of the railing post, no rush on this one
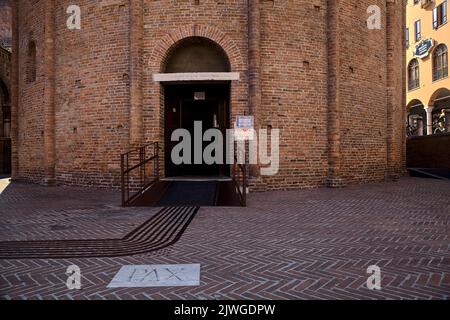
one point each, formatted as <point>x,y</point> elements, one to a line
<point>126,170</point>
<point>235,159</point>
<point>128,178</point>
<point>143,167</point>
<point>122,179</point>
<point>156,164</point>
<point>244,191</point>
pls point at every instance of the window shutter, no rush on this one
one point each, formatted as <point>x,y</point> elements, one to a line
<point>419,31</point>
<point>407,37</point>
<point>444,11</point>
<point>416,31</point>
<point>435,18</point>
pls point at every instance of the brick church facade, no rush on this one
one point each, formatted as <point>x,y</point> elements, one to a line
<point>311,68</point>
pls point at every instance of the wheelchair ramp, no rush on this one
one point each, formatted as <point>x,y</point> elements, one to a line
<point>220,193</point>
<point>434,173</point>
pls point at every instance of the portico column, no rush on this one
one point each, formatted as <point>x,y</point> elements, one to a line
<point>429,111</point>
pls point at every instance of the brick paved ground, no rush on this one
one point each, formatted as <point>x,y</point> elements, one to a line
<point>307,244</point>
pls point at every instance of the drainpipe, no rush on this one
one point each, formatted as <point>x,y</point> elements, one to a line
<point>254,67</point>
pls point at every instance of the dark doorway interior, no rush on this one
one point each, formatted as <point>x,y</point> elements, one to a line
<point>184,105</point>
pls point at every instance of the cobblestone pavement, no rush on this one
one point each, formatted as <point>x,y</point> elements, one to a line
<point>305,244</point>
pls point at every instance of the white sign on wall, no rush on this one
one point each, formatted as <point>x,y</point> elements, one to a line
<point>244,128</point>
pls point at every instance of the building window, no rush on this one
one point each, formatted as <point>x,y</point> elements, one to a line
<point>417,30</point>
<point>440,15</point>
<point>440,62</point>
<point>407,37</point>
<point>31,63</point>
<point>413,74</point>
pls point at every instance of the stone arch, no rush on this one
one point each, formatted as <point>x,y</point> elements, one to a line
<point>154,119</point>
<point>413,103</point>
<point>439,93</point>
<point>196,54</point>
<point>416,118</point>
<point>166,43</point>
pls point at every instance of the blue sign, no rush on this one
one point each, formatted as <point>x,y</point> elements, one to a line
<point>423,49</point>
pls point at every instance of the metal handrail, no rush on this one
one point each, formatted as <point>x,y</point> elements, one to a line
<point>141,182</point>
<point>240,188</point>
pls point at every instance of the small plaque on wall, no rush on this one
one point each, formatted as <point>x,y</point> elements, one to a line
<point>201,95</point>
<point>244,128</point>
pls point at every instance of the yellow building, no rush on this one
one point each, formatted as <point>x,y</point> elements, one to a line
<point>428,83</point>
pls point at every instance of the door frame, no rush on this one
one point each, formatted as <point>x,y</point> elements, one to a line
<point>221,93</point>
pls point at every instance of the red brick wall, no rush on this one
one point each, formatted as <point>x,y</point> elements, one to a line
<point>92,93</point>
<point>95,68</point>
<point>294,89</point>
<point>363,93</point>
<point>30,142</point>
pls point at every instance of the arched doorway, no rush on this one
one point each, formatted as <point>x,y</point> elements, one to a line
<point>195,106</point>
<point>440,100</point>
<point>416,122</point>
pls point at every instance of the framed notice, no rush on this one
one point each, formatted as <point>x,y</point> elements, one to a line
<point>244,128</point>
